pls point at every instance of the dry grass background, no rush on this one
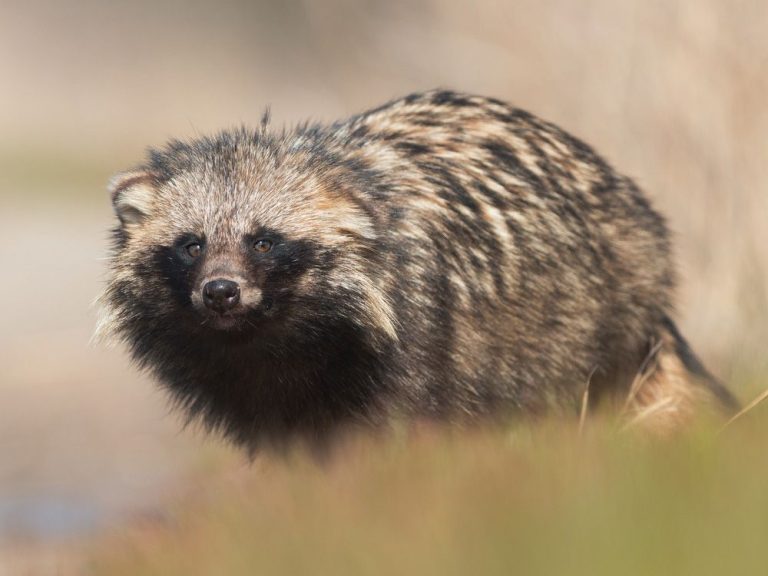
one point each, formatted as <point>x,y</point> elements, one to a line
<point>517,501</point>
<point>672,92</point>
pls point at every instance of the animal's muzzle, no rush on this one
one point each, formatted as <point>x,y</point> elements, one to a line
<point>221,295</point>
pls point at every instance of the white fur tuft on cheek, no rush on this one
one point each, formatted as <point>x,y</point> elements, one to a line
<point>105,326</point>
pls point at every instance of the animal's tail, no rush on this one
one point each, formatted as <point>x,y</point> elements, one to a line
<point>673,384</point>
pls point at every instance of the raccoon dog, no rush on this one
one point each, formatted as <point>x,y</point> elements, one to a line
<point>443,256</point>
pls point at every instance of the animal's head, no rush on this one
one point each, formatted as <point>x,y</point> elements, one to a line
<point>243,235</point>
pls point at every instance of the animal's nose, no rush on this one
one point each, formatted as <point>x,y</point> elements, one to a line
<point>221,295</point>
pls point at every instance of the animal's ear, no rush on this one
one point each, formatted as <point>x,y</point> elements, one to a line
<point>132,196</point>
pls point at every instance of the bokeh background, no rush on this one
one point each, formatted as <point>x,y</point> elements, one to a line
<point>673,93</point>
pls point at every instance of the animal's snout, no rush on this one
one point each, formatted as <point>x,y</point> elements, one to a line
<point>221,295</point>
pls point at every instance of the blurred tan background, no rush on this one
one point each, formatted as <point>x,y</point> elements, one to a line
<point>672,93</point>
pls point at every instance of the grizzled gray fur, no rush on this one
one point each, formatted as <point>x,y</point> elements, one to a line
<point>444,256</point>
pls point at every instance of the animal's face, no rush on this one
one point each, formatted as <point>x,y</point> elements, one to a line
<point>233,279</point>
<point>240,240</point>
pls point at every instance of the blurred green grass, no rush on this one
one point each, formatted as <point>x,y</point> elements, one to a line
<point>536,499</point>
<point>41,173</point>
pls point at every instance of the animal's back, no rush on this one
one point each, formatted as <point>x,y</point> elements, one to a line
<point>522,265</point>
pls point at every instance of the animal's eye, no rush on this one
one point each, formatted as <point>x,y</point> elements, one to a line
<point>263,245</point>
<point>193,249</point>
